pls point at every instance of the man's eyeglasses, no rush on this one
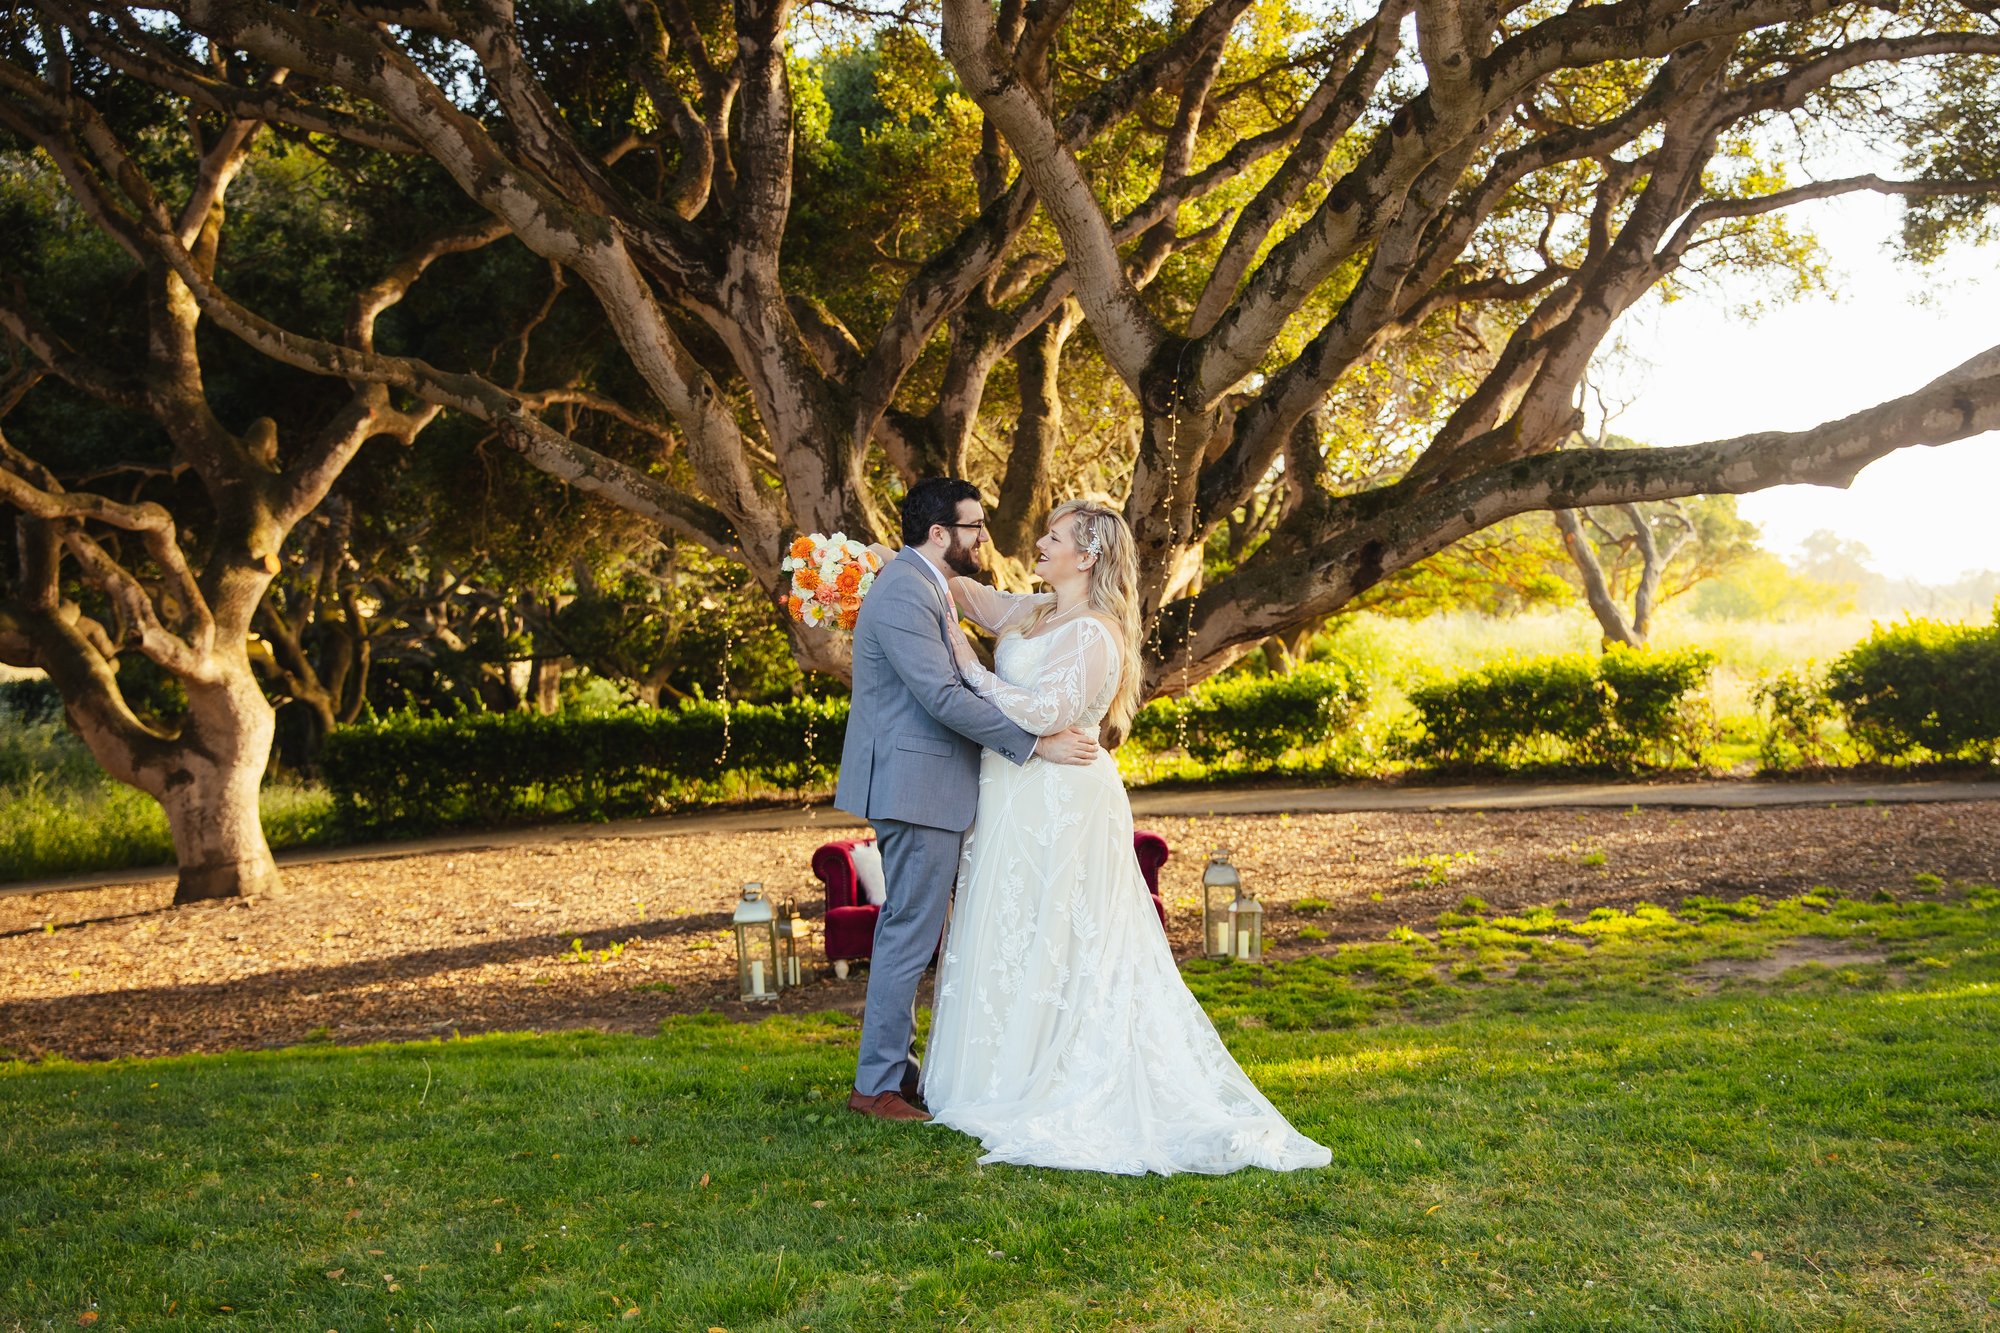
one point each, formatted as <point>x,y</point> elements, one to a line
<point>979,526</point>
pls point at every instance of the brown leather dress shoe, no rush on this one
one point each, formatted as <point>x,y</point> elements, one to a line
<point>884,1106</point>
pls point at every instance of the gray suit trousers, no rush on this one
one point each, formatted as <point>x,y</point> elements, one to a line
<point>919,868</point>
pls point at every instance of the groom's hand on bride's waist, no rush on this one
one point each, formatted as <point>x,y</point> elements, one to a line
<point>1071,746</point>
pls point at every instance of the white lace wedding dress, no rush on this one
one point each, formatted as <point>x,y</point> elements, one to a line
<point>1062,1034</point>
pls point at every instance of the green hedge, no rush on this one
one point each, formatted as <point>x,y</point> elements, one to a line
<point>1258,718</point>
<point>1623,709</point>
<point>408,774</point>
<point>1922,686</point>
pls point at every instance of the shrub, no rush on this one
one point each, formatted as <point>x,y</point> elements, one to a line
<point>1658,703</point>
<point>1797,713</point>
<point>1922,686</point>
<point>1622,709</point>
<point>406,773</point>
<point>28,700</point>
<point>44,748</point>
<point>1258,718</point>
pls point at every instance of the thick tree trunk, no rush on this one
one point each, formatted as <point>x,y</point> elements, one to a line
<point>218,836</point>
<point>209,790</point>
<point>206,778</point>
<point>1026,489</point>
<point>545,685</point>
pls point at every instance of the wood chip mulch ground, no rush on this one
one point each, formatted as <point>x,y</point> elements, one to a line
<point>528,937</point>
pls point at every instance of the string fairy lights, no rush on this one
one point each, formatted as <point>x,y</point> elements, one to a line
<point>728,651</point>
<point>1173,542</point>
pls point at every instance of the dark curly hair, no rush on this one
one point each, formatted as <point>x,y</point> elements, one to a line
<point>932,501</point>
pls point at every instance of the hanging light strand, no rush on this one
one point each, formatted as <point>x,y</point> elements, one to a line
<point>1173,541</point>
<point>728,651</point>
<point>810,772</point>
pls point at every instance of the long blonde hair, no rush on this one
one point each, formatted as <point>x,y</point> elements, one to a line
<point>1114,595</point>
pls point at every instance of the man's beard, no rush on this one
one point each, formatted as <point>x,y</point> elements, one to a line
<point>961,559</point>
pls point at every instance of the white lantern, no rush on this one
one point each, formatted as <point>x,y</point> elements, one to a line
<point>756,945</point>
<point>789,928</point>
<point>1246,929</point>
<point>1220,886</point>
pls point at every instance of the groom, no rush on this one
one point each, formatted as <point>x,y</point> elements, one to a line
<point>911,768</point>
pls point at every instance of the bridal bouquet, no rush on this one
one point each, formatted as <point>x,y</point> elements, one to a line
<point>830,576</point>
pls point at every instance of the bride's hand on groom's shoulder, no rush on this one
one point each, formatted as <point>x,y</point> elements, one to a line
<point>1070,746</point>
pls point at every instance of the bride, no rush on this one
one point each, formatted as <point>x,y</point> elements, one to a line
<point>1062,1034</point>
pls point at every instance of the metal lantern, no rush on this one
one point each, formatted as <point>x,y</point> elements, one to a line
<point>1246,928</point>
<point>756,945</point>
<point>789,928</point>
<point>1220,886</point>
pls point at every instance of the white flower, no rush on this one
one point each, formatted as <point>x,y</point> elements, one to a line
<point>837,538</point>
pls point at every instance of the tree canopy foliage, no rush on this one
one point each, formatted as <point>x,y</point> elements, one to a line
<point>1353,259</point>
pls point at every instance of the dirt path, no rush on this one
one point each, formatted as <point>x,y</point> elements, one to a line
<point>527,936</point>
<point>1354,798</point>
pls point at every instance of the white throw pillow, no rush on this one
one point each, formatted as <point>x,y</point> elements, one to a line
<point>868,869</point>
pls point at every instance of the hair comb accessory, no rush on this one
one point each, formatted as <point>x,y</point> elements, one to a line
<point>1095,545</point>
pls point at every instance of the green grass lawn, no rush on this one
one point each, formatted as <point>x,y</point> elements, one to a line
<point>1536,1123</point>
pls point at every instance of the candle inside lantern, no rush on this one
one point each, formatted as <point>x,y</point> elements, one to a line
<point>795,970</point>
<point>1222,937</point>
<point>757,976</point>
<point>1242,944</point>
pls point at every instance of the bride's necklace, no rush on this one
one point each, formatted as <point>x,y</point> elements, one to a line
<point>1055,618</point>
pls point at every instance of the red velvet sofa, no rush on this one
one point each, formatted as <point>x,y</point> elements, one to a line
<point>850,917</point>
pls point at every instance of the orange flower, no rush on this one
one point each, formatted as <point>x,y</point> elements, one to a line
<point>806,580</point>
<point>849,616</point>
<point>796,605</point>
<point>849,581</point>
<point>802,548</point>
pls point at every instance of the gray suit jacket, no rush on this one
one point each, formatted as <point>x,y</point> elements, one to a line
<point>914,728</point>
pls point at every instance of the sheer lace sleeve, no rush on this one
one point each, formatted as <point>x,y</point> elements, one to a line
<point>992,609</point>
<point>1082,657</point>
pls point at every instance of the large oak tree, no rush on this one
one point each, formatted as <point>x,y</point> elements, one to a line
<point>1246,227</point>
<point>152,475</point>
<point>1527,171</point>
<point>156,562</point>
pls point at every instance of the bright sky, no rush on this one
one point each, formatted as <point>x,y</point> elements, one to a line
<point>1925,513</point>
